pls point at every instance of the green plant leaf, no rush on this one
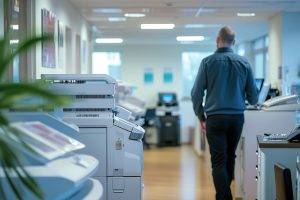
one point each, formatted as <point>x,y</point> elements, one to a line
<point>12,96</point>
<point>11,182</point>
<point>3,120</point>
<point>7,59</point>
<point>18,135</point>
<point>2,193</point>
<point>29,182</point>
<point>13,162</point>
<point>16,91</point>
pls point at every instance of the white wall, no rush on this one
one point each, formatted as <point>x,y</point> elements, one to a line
<point>290,46</point>
<point>284,32</point>
<point>70,17</point>
<point>137,58</point>
<point>1,19</point>
<point>275,46</point>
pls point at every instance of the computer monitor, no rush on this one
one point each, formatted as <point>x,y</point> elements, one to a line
<point>167,99</point>
<point>259,82</point>
<point>283,183</point>
<point>263,94</point>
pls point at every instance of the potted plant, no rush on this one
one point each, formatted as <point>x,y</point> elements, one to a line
<point>11,96</point>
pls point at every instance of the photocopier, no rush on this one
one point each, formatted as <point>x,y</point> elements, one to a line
<point>60,172</point>
<point>125,99</point>
<point>114,141</point>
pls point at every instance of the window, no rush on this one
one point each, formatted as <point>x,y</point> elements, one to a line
<point>259,65</point>
<point>15,28</point>
<point>240,49</point>
<point>107,63</point>
<point>260,55</point>
<point>190,66</point>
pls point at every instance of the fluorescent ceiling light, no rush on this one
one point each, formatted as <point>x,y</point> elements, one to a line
<point>107,10</point>
<point>158,26</point>
<point>134,15</point>
<point>202,25</point>
<point>109,40</point>
<point>190,38</point>
<point>245,14</point>
<point>116,19</point>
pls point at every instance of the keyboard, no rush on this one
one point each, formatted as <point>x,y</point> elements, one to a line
<point>277,136</point>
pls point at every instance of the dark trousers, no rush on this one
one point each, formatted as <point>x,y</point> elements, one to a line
<point>223,133</point>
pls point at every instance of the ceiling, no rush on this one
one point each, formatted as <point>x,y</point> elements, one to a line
<point>181,13</point>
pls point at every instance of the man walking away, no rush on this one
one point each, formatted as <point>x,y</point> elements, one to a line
<point>228,81</point>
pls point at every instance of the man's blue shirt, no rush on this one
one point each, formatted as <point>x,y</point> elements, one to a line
<point>228,81</point>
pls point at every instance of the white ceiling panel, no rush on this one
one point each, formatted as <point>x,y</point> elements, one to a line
<point>181,13</point>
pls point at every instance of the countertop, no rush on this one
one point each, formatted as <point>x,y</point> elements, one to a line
<point>262,143</point>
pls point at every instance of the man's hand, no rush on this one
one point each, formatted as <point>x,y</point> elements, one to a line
<point>203,125</point>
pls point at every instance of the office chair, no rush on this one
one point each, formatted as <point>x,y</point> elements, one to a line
<point>283,183</point>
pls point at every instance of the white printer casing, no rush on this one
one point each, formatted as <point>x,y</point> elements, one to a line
<point>111,139</point>
<point>62,178</point>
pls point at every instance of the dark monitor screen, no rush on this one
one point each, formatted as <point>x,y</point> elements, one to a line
<point>259,83</point>
<point>167,98</point>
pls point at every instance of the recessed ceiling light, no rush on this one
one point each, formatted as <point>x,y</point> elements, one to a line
<point>202,25</point>
<point>245,14</point>
<point>109,40</point>
<point>190,38</point>
<point>134,15</point>
<point>158,26</point>
<point>116,19</point>
<point>107,10</point>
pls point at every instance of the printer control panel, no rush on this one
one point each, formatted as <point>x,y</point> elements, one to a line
<point>292,136</point>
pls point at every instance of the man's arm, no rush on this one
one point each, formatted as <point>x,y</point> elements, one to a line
<point>251,89</point>
<point>198,92</point>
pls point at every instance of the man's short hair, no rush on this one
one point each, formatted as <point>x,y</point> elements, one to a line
<point>227,35</point>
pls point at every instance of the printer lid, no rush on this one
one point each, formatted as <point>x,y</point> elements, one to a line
<point>80,77</point>
<point>47,142</point>
<point>50,120</point>
<point>82,86</point>
<point>126,125</point>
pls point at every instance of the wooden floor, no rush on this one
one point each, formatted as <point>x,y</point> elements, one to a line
<point>177,174</point>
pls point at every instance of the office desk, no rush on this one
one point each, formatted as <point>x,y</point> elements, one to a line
<point>257,122</point>
<point>270,153</point>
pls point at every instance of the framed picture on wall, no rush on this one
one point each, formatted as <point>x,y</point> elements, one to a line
<point>168,75</point>
<point>148,76</point>
<point>48,47</point>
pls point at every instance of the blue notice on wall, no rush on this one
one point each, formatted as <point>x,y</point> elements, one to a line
<point>148,77</point>
<point>168,76</point>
